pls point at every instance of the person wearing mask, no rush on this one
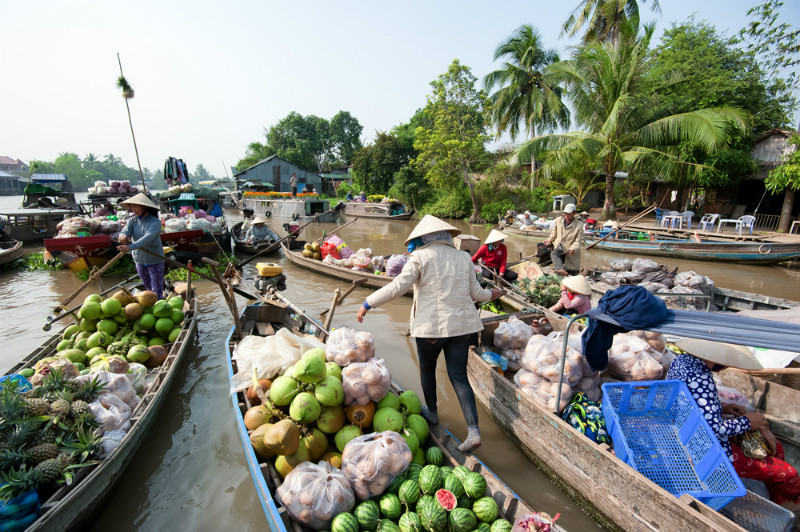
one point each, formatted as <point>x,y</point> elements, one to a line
<point>443,316</point>
<point>259,231</point>
<point>575,296</point>
<point>293,184</point>
<point>143,232</point>
<point>696,367</point>
<point>494,254</point>
<point>566,238</point>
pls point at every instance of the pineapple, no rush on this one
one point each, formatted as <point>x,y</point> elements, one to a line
<point>86,444</point>
<point>79,408</point>
<point>60,407</point>
<point>89,390</point>
<point>49,434</point>
<point>48,471</point>
<point>12,458</point>
<point>35,407</point>
<point>42,452</point>
<point>17,482</point>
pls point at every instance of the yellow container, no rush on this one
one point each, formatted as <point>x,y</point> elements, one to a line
<point>268,269</point>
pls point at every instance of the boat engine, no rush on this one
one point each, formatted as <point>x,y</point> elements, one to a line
<point>269,274</point>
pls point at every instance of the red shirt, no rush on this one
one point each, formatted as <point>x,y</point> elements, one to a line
<point>496,258</point>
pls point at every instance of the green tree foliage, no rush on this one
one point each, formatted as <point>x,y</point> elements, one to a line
<point>409,187</point>
<point>345,136</point>
<point>454,147</point>
<point>603,18</point>
<point>623,130</point>
<point>82,173</point>
<point>786,178</point>
<point>577,178</point>
<point>774,41</point>
<point>201,174</point>
<point>375,165</point>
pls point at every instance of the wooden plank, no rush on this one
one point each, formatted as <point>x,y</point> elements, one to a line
<point>264,329</point>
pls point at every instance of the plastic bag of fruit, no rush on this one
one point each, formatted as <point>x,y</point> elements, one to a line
<point>370,462</point>
<point>110,412</point>
<point>534,522</point>
<point>632,359</point>
<point>347,345</point>
<point>512,334</point>
<point>543,357</point>
<point>316,493</point>
<point>365,381</point>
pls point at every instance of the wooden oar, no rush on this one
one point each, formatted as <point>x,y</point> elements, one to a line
<point>642,214</point>
<point>356,284</point>
<point>275,245</point>
<point>91,278</point>
<point>329,234</point>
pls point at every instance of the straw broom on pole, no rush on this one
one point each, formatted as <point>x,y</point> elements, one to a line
<point>127,94</point>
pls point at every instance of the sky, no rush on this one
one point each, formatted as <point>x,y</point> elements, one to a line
<point>211,76</point>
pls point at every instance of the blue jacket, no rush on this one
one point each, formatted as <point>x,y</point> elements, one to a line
<point>632,308</point>
<point>145,233</point>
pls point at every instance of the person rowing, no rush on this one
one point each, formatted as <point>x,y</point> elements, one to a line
<point>260,232</point>
<point>494,253</point>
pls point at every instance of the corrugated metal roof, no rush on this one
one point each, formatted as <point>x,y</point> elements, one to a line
<point>48,178</point>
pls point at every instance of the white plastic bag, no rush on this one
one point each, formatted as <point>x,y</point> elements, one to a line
<point>316,493</point>
<point>111,441</point>
<point>269,355</point>
<point>631,359</point>
<point>110,412</point>
<point>116,384</point>
<point>346,345</point>
<point>175,225</point>
<point>137,374</point>
<point>542,390</point>
<point>512,334</point>
<point>363,382</point>
<point>370,462</point>
<point>543,357</point>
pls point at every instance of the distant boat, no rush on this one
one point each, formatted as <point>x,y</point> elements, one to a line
<point>737,252</point>
<point>300,209</point>
<point>33,225</point>
<point>388,211</point>
<point>10,249</point>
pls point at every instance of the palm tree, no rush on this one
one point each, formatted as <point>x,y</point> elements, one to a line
<point>525,97</point>
<point>603,18</point>
<point>623,129</point>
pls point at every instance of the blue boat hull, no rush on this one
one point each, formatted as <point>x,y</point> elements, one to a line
<point>750,253</point>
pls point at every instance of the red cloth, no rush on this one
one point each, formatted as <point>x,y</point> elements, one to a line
<point>780,478</point>
<point>328,248</point>
<point>496,258</point>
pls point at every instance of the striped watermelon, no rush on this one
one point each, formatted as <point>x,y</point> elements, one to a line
<point>483,527</point>
<point>390,506</point>
<point>474,485</point>
<point>430,479</point>
<point>434,518</point>
<point>413,471</point>
<point>501,525</point>
<point>461,472</point>
<point>344,522</point>
<point>446,471</point>
<point>424,501</point>
<point>367,514</point>
<point>410,522</point>
<point>385,525</point>
<point>397,481</point>
<point>465,502</point>
<point>409,492</point>
<point>434,456</point>
<point>454,485</point>
<point>485,509</point>
<point>462,520</point>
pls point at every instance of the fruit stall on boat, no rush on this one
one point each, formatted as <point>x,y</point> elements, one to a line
<point>76,409</point>
<point>388,210</point>
<point>590,473</point>
<point>48,191</point>
<point>373,479</point>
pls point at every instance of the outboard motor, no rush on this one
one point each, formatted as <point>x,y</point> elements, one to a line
<point>269,274</point>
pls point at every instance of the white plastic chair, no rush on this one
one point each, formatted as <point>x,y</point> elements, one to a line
<point>687,217</point>
<point>745,221</point>
<point>707,222</point>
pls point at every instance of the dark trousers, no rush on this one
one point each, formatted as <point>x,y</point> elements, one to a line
<point>456,351</point>
<point>508,275</point>
<point>294,191</point>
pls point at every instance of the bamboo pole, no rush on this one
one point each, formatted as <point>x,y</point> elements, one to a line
<point>336,294</point>
<point>91,278</point>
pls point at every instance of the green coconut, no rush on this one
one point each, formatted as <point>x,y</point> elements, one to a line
<point>93,352</point>
<point>98,339</point>
<point>333,369</point>
<point>162,309</point>
<point>305,408</point>
<point>316,443</point>
<point>138,353</point>
<point>71,331</point>
<point>420,427</point>
<point>387,418</point>
<point>174,333</point>
<point>176,317</point>
<point>283,390</point>
<point>309,369</point>
<point>390,400</point>
<point>164,326</point>
<point>90,311</point>
<point>410,403</point>
<point>88,325</point>
<point>74,355</point>
<point>109,327</point>
<point>147,321</point>
<point>110,307</point>
<point>330,419</point>
<point>176,302</point>
<point>318,352</point>
<point>344,436</point>
<point>283,437</point>
<point>329,391</point>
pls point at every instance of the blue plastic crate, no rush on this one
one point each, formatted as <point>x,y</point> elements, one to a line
<point>659,430</point>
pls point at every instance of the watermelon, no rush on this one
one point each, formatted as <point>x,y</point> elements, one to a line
<point>385,525</point>
<point>501,525</point>
<point>423,501</point>
<point>390,506</point>
<point>434,518</point>
<point>410,522</point>
<point>430,479</point>
<point>434,456</point>
<point>454,485</point>
<point>413,471</point>
<point>483,527</point>
<point>367,515</point>
<point>446,471</point>
<point>446,499</point>
<point>465,502</point>
<point>409,492</point>
<point>474,486</point>
<point>344,522</point>
<point>394,486</point>
<point>461,472</point>
<point>485,509</point>
<point>462,520</point>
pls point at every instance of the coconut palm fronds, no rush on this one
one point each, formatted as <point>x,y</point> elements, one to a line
<point>127,90</point>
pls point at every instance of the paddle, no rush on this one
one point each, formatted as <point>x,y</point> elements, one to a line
<point>329,234</point>
<point>356,284</point>
<point>91,278</point>
<point>642,214</point>
<point>274,245</point>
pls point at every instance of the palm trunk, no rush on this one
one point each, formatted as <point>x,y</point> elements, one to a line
<point>609,206</point>
<point>786,211</point>
<point>533,159</point>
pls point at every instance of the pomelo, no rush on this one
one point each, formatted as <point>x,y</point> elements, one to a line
<point>176,316</point>
<point>162,309</point>
<point>164,326</point>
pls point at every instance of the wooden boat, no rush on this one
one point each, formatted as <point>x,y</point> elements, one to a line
<point>611,491</point>
<point>532,232</point>
<point>10,249</point>
<point>242,246</point>
<point>33,225</point>
<point>267,319</point>
<point>338,272</point>
<point>737,252</point>
<point>357,209</point>
<point>70,507</point>
<point>301,209</point>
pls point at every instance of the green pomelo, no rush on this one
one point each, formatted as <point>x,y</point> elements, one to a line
<point>283,390</point>
<point>344,436</point>
<point>174,333</point>
<point>418,424</point>
<point>176,317</point>
<point>333,369</point>
<point>330,419</point>
<point>176,302</point>
<point>156,341</point>
<point>162,309</point>
<point>411,439</point>
<point>147,321</point>
<point>110,307</point>
<point>138,353</point>
<point>74,355</point>
<point>71,331</point>
<point>387,418</point>
<point>164,326</point>
<point>410,403</point>
<point>309,369</point>
<point>90,311</point>
<point>329,391</point>
<point>390,400</point>
<point>304,408</point>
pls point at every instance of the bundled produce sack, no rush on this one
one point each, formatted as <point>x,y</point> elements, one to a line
<point>269,355</point>
<point>346,345</point>
<point>362,259</point>
<point>365,381</point>
<point>316,493</point>
<point>344,250</point>
<point>632,359</point>
<point>394,265</point>
<point>644,266</point>
<point>378,263</point>
<point>512,334</point>
<point>174,225</point>
<point>542,390</point>
<point>589,384</point>
<point>543,357</point>
<point>621,265</point>
<point>656,340</point>
<point>370,462</point>
<point>611,278</point>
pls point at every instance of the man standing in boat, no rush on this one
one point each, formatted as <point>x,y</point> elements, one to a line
<point>566,238</point>
<point>293,184</point>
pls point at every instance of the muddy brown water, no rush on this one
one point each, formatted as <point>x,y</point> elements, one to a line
<point>190,472</point>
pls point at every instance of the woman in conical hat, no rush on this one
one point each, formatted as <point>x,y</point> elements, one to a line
<point>143,232</point>
<point>575,296</point>
<point>696,367</point>
<point>443,316</point>
<point>494,254</point>
<point>259,230</point>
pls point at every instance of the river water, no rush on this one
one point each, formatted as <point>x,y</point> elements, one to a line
<point>190,472</point>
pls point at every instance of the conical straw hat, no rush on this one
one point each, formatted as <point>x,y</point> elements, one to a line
<point>495,236</point>
<point>431,224</point>
<point>733,356</point>
<point>577,283</point>
<point>138,199</point>
<point>259,220</point>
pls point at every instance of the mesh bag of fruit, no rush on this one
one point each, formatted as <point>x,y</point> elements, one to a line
<point>370,462</point>
<point>316,493</point>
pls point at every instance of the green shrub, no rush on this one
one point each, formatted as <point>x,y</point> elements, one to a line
<point>492,211</point>
<point>343,189</point>
<point>449,204</point>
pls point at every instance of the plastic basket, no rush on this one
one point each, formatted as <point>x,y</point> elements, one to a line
<point>659,430</point>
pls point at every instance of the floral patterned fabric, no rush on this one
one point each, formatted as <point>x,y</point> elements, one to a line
<point>780,478</point>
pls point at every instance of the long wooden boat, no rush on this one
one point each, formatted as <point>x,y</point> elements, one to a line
<point>358,209</point>
<point>301,209</point>
<point>338,272</point>
<point>267,319</point>
<point>611,491</point>
<point>738,252</point>
<point>243,247</point>
<point>10,251</point>
<point>532,232</point>
<point>71,507</point>
<point>33,225</point>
